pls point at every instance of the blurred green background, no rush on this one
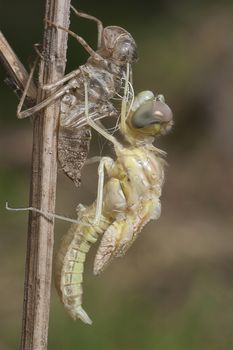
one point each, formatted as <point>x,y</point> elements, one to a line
<point>174,289</point>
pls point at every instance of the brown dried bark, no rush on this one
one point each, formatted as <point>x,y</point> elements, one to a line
<point>43,177</point>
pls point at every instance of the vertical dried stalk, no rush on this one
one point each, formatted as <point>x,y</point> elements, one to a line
<point>43,186</point>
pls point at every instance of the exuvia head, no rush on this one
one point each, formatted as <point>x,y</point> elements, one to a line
<point>150,116</point>
<point>118,44</point>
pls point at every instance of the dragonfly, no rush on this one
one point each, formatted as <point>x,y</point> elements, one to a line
<point>128,195</point>
<point>105,73</point>
<point>126,201</point>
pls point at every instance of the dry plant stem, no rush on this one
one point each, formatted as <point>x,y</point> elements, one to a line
<point>44,172</point>
<point>15,69</point>
<point>43,185</point>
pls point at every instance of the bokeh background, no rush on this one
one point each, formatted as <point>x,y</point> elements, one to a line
<point>174,288</point>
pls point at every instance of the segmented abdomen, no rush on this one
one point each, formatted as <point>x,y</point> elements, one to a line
<point>70,264</point>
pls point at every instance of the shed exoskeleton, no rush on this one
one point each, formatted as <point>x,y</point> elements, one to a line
<point>105,72</point>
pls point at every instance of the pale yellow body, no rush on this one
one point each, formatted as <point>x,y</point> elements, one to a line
<point>130,199</point>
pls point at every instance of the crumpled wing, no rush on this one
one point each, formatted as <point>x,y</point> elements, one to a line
<point>115,241</point>
<point>119,236</point>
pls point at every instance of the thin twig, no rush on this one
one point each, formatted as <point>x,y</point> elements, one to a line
<point>17,74</point>
<point>43,177</point>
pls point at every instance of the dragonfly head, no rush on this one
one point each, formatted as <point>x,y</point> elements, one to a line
<point>150,116</point>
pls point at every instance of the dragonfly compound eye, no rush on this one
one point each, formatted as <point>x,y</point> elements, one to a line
<point>152,117</point>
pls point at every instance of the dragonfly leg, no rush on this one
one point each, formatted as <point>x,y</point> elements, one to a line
<point>48,215</point>
<point>59,93</point>
<point>22,99</point>
<point>67,77</point>
<point>105,162</point>
<point>80,39</point>
<point>92,18</point>
<point>28,112</point>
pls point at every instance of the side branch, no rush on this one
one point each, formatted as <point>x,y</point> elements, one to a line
<point>17,74</point>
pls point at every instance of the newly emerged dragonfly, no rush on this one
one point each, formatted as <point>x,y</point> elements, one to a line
<point>105,72</point>
<point>128,200</point>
